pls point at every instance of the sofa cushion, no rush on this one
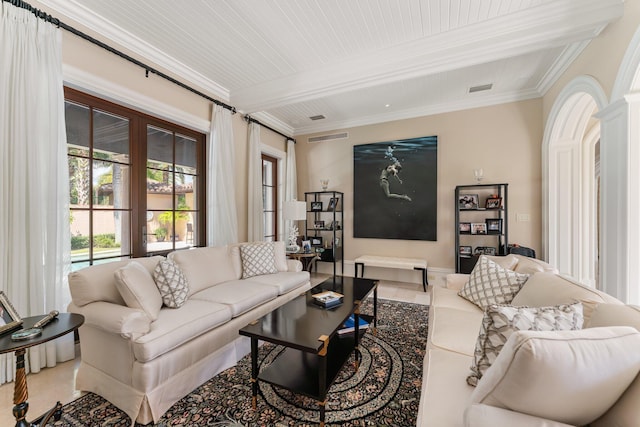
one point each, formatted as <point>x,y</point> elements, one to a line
<point>257,259</point>
<point>614,315</point>
<point>136,285</point>
<point>171,282</point>
<point>176,327</point>
<point>489,283</point>
<point>528,265</point>
<point>205,267</point>
<point>507,261</point>
<point>623,413</point>
<point>547,289</point>
<point>239,295</point>
<point>444,392</point>
<point>285,281</point>
<point>500,322</point>
<point>96,283</point>
<point>569,376</point>
<point>453,329</point>
<point>444,297</point>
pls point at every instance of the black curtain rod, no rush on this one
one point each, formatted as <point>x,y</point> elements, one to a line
<point>148,69</point>
<point>250,119</point>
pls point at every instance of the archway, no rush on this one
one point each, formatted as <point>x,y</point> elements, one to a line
<point>570,208</point>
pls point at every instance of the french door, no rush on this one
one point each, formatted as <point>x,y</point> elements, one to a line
<point>136,182</point>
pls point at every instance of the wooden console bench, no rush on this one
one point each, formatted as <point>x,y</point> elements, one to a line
<point>393,262</point>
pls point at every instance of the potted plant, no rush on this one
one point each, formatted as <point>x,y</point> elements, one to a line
<point>161,234</point>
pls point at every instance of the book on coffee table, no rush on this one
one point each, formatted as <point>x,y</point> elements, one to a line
<point>349,325</point>
<point>328,299</point>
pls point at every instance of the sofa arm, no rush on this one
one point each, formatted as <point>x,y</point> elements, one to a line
<point>294,265</point>
<point>114,318</point>
<point>480,415</point>
<point>456,281</point>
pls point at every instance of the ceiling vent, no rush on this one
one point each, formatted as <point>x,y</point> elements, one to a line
<point>480,88</point>
<point>318,117</point>
<point>331,137</point>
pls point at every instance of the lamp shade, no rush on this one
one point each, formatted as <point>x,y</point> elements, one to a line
<point>294,210</point>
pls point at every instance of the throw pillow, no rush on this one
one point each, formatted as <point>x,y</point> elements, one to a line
<point>172,284</point>
<point>500,322</point>
<point>489,283</point>
<point>137,288</point>
<point>257,259</point>
<point>571,377</point>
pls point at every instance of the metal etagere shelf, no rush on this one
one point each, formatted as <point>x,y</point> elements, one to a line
<point>324,226</point>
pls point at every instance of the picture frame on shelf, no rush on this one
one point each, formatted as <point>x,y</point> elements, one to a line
<point>316,206</point>
<point>318,225</point>
<point>493,203</point>
<point>494,225</point>
<point>465,251</point>
<point>484,250</point>
<point>464,228</point>
<point>478,228</point>
<point>9,317</point>
<point>468,201</point>
<point>333,203</point>
<point>306,246</point>
<point>316,241</point>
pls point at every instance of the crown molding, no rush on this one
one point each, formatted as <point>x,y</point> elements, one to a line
<point>273,122</point>
<point>552,25</point>
<point>81,15</point>
<point>560,65</point>
<point>412,113</point>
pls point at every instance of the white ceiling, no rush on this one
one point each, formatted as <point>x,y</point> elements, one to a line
<point>354,61</point>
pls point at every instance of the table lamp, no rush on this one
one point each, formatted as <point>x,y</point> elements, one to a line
<point>294,210</point>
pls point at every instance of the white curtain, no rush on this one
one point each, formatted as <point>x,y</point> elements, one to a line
<point>255,205</point>
<point>222,217</point>
<point>34,187</point>
<point>290,180</point>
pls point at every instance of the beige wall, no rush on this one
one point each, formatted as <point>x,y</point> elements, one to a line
<point>504,140</point>
<point>601,59</point>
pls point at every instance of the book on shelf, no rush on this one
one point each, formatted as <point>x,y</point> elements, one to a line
<point>328,299</point>
<point>349,325</point>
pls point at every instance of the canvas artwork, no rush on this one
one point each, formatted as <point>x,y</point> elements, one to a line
<point>395,189</point>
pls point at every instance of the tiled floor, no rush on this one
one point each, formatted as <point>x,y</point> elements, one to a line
<point>53,384</point>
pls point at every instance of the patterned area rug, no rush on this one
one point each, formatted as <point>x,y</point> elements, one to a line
<point>385,391</point>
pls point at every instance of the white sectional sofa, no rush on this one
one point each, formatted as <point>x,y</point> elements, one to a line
<point>454,323</point>
<point>143,356</point>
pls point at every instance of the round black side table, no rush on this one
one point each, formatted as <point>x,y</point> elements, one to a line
<point>62,325</point>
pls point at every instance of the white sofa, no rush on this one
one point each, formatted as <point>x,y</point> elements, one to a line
<point>454,325</point>
<point>143,366</point>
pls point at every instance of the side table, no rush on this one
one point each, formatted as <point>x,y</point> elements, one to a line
<point>306,258</point>
<point>62,325</point>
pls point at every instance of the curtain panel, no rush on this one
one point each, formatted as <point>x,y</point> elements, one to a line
<point>34,187</point>
<point>222,217</point>
<point>255,203</point>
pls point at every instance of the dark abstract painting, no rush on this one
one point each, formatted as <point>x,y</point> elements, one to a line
<point>395,189</point>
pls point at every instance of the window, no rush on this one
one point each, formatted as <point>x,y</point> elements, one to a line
<point>270,197</point>
<point>136,182</point>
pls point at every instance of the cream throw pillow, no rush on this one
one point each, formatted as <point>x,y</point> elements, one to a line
<point>500,322</point>
<point>137,288</point>
<point>257,259</point>
<point>172,283</point>
<point>568,376</point>
<point>489,283</point>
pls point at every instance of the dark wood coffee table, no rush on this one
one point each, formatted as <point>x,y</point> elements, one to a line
<point>314,352</point>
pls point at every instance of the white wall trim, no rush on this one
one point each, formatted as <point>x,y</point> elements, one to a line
<point>627,79</point>
<point>563,203</point>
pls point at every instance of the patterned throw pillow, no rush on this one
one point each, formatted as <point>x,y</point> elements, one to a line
<point>172,284</point>
<point>499,322</point>
<point>489,283</point>
<point>257,259</point>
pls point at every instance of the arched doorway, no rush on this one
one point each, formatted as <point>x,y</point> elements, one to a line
<point>570,184</point>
